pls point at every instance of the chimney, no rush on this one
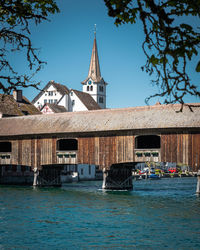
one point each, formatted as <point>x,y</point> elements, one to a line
<point>17,95</point>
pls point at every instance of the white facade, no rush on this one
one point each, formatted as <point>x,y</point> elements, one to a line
<point>75,104</point>
<point>51,95</point>
<point>97,90</point>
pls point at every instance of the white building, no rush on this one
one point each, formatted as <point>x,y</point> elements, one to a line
<point>53,93</point>
<point>80,101</point>
<point>92,97</point>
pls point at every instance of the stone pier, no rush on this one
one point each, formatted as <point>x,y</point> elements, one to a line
<point>198,183</point>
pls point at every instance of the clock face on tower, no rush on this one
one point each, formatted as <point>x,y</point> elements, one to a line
<point>89,82</point>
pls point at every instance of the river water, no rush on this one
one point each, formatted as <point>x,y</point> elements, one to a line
<point>157,214</point>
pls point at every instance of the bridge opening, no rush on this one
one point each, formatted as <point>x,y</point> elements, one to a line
<point>147,142</point>
<point>67,144</point>
<point>5,147</point>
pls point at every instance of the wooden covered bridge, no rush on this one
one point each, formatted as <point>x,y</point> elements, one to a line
<point>157,133</point>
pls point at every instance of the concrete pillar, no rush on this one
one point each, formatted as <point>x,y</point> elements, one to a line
<point>104,178</point>
<point>36,172</point>
<point>198,182</point>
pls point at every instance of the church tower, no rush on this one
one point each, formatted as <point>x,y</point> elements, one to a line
<point>94,84</point>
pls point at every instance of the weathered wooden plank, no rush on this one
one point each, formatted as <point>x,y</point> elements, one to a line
<point>26,152</point>
<point>33,153</point>
<point>53,151</point>
<point>14,158</point>
<point>174,148</point>
<point>162,138</point>
<point>38,153</point>
<point>19,152</point>
<point>96,153</point>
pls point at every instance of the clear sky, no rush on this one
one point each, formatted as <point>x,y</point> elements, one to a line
<point>66,44</point>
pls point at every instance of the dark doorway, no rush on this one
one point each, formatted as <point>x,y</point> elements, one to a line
<point>147,141</point>
<point>5,147</point>
<point>67,144</point>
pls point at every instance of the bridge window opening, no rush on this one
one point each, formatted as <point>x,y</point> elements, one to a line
<point>5,147</point>
<point>147,142</point>
<point>67,144</point>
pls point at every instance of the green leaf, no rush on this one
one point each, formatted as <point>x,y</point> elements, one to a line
<point>153,60</point>
<point>198,67</point>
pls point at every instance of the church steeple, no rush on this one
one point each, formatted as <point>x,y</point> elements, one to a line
<point>94,69</point>
<point>94,84</point>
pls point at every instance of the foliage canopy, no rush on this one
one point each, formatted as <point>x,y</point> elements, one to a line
<point>170,42</point>
<point>16,16</point>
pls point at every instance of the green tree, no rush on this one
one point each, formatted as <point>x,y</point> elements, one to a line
<point>16,16</point>
<point>169,44</point>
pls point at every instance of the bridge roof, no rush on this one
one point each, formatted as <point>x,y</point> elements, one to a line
<point>146,117</point>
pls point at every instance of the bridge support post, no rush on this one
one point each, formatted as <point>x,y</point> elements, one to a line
<point>36,173</point>
<point>198,182</point>
<point>118,177</point>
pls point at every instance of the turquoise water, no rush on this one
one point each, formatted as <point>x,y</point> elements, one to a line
<point>157,214</point>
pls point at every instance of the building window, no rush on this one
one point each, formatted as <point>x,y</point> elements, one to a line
<point>73,102</point>
<point>5,147</point>
<point>88,88</point>
<point>50,93</point>
<point>55,101</point>
<point>45,100</point>
<point>67,144</point>
<point>81,171</point>
<point>147,142</point>
<point>101,88</point>
<point>91,88</point>
<point>100,99</point>
<point>71,93</point>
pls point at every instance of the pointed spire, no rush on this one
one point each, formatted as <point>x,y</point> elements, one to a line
<point>94,70</point>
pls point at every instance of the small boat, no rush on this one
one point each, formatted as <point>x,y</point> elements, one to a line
<point>154,176</point>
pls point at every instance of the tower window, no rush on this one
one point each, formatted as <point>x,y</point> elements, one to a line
<point>101,88</point>
<point>100,99</point>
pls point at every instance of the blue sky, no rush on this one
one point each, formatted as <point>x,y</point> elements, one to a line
<point>66,44</point>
